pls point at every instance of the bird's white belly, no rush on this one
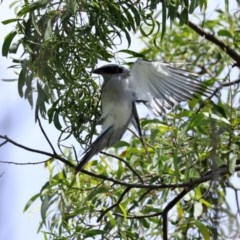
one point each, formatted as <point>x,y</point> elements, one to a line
<point>116,113</point>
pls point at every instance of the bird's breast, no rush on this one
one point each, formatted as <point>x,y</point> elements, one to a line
<point>116,105</point>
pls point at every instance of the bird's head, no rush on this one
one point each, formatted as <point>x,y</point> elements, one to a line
<point>109,70</point>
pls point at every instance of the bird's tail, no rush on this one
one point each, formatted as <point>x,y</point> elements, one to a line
<point>106,139</point>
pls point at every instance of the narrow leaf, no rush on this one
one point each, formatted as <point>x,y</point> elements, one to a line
<point>48,32</point>
<point>124,212</point>
<point>232,164</point>
<point>7,43</point>
<point>44,208</point>
<point>193,6</point>
<point>21,81</point>
<point>5,22</point>
<point>132,53</point>
<point>30,202</point>
<point>203,230</point>
<point>164,18</point>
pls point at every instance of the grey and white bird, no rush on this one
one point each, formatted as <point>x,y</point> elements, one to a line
<point>158,85</point>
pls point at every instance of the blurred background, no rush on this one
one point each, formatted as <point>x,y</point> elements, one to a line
<point>18,183</point>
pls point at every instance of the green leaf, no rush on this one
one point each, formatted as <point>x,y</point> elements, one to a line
<point>34,22</point>
<point>5,22</point>
<point>205,202</point>
<point>42,99</point>
<point>236,39</point>
<point>97,191</point>
<point>14,47</point>
<point>137,16</point>
<point>203,230</point>
<point>128,37</point>
<point>225,33</point>
<point>56,120</point>
<point>44,207</point>
<point>164,19</point>
<point>7,43</point>
<point>176,164</point>
<point>129,18</point>
<point>132,53</point>
<point>31,201</point>
<point>121,144</point>
<point>193,6</point>
<point>183,17</point>
<point>27,8</point>
<point>48,31</point>
<point>232,164</point>
<point>94,232</point>
<point>203,4</point>
<point>21,80</point>
<point>220,109</point>
<point>124,212</point>
<point>42,96</point>
<point>216,117</point>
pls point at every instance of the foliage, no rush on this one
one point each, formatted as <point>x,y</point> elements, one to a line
<point>175,185</point>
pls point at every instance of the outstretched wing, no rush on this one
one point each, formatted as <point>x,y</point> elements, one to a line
<point>161,86</point>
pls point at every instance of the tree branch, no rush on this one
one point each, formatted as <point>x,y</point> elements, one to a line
<point>210,37</point>
<point>222,85</point>
<point>163,213</point>
<point>44,133</point>
<point>114,205</point>
<point>206,177</point>
<point>52,155</point>
<point>3,143</point>
<point>26,163</point>
<point>139,216</point>
<point>140,199</point>
<point>169,206</point>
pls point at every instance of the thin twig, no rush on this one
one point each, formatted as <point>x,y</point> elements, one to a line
<point>142,216</point>
<point>144,144</point>
<point>75,153</point>
<point>222,85</point>
<point>140,199</point>
<point>26,163</point>
<point>206,177</point>
<point>237,201</point>
<point>44,133</point>
<point>135,135</point>
<point>114,205</point>
<point>3,143</point>
<point>52,155</point>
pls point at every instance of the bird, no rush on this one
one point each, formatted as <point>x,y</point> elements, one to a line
<point>157,85</point>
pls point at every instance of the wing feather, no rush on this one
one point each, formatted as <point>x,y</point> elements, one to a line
<point>161,86</point>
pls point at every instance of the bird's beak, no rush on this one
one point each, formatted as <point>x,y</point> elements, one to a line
<point>96,71</point>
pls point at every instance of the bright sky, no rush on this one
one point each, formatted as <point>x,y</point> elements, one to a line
<point>19,183</point>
